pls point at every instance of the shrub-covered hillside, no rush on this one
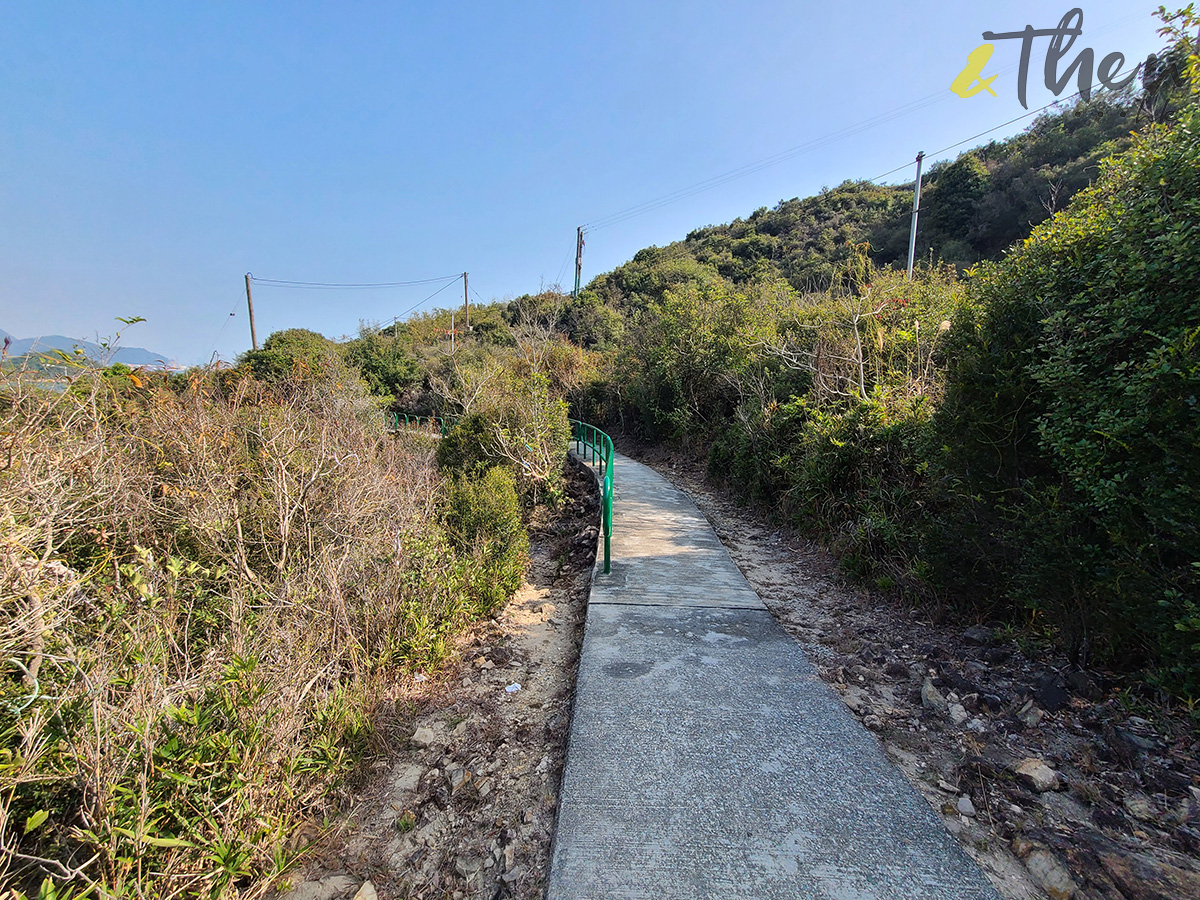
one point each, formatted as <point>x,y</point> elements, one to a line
<point>1018,442</point>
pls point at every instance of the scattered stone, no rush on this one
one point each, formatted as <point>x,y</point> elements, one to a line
<point>857,700</point>
<point>366,892</point>
<point>896,669</point>
<point>861,674</point>
<point>327,888</point>
<point>958,714</point>
<point>965,806</point>
<point>977,726</point>
<point>874,722</point>
<point>1139,806</point>
<point>457,778</point>
<point>512,874</point>
<point>978,635</point>
<point>1030,716</point>
<point>947,786</point>
<point>1051,875</point>
<point>932,699</point>
<point>423,737</point>
<point>1034,773</point>
<point>1022,846</point>
<point>466,866</point>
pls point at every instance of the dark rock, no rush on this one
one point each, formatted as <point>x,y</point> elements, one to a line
<point>958,684</point>
<point>993,703</point>
<point>977,634</point>
<point>1106,815</point>
<point>896,669</point>
<point>975,669</point>
<point>1188,839</point>
<point>996,655</point>
<point>1051,693</point>
<point>1082,685</point>
<point>1136,740</point>
<point>1141,877</point>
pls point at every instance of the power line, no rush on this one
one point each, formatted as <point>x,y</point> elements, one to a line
<point>333,285</point>
<point>221,331</point>
<point>815,144</point>
<point>430,297</point>
<point>760,165</point>
<point>989,131</point>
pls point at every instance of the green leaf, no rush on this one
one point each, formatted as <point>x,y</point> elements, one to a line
<point>35,821</point>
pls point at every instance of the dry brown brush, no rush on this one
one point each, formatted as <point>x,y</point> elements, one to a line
<point>204,586</point>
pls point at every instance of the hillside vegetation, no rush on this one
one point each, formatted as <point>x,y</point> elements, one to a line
<point>209,581</point>
<point>208,584</point>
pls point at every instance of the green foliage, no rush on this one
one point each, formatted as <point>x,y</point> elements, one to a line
<point>483,517</point>
<point>296,352</point>
<point>385,362</point>
<point>1073,404</point>
<point>974,208</point>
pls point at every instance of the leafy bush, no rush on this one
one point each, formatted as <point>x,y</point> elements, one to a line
<point>510,417</point>
<point>290,354</point>
<point>1073,407</point>
<point>483,518</point>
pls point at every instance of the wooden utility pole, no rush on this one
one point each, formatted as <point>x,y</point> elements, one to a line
<point>250,305</point>
<point>912,234</point>
<point>578,258</point>
<point>466,302</point>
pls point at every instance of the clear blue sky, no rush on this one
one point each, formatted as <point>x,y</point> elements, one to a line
<point>152,153</point>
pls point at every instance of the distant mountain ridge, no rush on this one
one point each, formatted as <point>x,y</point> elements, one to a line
<point>130,356</point>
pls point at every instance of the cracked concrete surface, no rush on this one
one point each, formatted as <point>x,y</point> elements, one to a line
<point>706,759</point>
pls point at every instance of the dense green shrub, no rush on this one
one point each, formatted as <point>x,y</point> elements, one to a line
<point>483,518</point>
<point>290,353</point>
<point>1072,407</point>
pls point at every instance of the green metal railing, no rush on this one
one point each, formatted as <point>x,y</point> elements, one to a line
<point>590,439</point>
<point>408,420</point>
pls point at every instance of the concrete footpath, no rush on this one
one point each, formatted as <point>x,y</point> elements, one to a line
<point>707,759</point>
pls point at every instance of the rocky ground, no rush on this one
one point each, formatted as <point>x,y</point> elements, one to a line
<point>463,797</point>
<point>1060,783</point>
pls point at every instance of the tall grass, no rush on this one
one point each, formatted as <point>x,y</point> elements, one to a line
<point>204,588</point>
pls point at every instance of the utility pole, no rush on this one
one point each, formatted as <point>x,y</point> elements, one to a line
<point>578,258</point>
<point>466,302</point>
<point>250,305</point>
<point>912,234</point>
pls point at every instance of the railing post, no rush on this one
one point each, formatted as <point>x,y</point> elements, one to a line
<point>607,523</point>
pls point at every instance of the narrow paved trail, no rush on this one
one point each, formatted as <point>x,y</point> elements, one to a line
<point>706,759</point>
